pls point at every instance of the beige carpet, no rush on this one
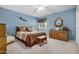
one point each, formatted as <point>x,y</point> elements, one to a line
<point>52,47</point>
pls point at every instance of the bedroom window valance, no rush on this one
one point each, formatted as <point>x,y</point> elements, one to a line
<point>42,20</point>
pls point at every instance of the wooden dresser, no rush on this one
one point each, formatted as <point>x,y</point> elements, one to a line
<point>2,38</point>
<point>59,35</point>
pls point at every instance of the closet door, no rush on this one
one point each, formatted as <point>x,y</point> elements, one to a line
<point>77,25</point>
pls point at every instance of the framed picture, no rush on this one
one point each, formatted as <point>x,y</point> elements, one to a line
<point>58,22</point>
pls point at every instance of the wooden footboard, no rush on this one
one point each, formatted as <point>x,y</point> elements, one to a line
<point>31,39</point>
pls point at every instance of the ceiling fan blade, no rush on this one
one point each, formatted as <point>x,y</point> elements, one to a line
<point>48,8</point>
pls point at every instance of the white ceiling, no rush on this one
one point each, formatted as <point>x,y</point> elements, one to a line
<point>38,10</point>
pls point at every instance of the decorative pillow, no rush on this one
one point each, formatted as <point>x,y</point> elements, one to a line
<point>29,29</point>
<point>22,29</point>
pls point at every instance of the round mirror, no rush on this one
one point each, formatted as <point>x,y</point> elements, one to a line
<point>58,22</point>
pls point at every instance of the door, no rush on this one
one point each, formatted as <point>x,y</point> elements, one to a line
<point>77,25</point>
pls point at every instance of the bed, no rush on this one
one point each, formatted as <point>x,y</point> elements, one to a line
<point>27,36</point>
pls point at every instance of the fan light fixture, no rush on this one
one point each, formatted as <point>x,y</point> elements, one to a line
<point>40,7</point>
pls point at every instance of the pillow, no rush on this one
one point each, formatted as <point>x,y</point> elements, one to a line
<point>23,29</point>
<point>29,29</point>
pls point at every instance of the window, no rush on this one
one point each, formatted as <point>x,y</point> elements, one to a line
<point>42,25</point>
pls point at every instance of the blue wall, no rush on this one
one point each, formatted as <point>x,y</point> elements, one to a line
<point>69,20</point>
<point>11,19</point>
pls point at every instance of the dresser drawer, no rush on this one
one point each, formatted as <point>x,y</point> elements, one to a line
<point>63,35</point>
<point>60,35</point>
<point>2,28</point>
<point>51,34</point>
<point>2,44</point>
<point>2,33</point>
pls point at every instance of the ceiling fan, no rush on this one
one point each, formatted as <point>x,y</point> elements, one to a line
<point>40,8</point>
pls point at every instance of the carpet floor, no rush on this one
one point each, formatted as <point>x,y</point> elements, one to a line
<point>53,46</point>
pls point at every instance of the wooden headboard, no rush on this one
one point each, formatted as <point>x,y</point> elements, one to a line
<point>21,29</point>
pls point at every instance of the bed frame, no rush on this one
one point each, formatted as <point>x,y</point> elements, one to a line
<point>31,38</point>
